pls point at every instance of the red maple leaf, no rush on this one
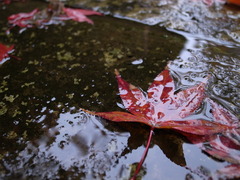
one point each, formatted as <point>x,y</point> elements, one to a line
<point>80,15</point>
<point>53,14</point>
<point>4,50</point>
<point>23,19</point>
<point>162,107</point>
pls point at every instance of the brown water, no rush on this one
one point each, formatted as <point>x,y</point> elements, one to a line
<point>44,135</point>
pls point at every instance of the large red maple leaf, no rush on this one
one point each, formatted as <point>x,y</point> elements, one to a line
<point>163,107</point>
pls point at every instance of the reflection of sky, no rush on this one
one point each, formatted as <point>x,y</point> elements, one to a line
<point>197,42</point>
<point>195,158</point>
<point>157,165</point>
<point>86,143</point>
<point>64,131</point>
<point>78,136</point>
<point>81,141</point>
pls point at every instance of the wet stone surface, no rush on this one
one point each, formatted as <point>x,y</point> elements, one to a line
<point>44,135</point>
<point>220,20</point>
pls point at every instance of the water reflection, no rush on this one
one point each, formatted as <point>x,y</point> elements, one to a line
<point>78,144</point>
<point>218,21</point>
<point>202,56</point>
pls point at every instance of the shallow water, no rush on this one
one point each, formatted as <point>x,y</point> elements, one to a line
<point>44,135</point>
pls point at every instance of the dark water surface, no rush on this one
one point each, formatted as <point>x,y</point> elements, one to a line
<point>44,135</point>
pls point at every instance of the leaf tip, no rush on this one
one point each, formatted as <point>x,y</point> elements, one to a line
<point>87,111</point>
<point>116,72</point>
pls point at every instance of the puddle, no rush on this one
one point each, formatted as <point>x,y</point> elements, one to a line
<point>44,135</point>
<point>219,21</point>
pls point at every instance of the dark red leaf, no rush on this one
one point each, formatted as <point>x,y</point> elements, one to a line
<point>54,14</point>
<point>22,19</point>
<point>4,50</point>
<point>162,108</point>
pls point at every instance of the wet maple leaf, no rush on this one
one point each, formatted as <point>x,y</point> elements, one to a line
<point>53,14</point>
<point>23,19</point>
<point>80,15</point>
<point>162,107</point>
<point>4,50</point>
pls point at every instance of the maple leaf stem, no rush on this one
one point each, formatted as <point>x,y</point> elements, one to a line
<point>15,57</point>
<point>144,155</point>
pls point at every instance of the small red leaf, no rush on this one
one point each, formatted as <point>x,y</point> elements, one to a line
<point>22,19</point>
<point>80,15</point>
<point>4,50</point>
<point>54,14</point>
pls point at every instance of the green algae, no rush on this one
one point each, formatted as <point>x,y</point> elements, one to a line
<point>10,98</point>
<point>11,135</point>
<point>3,108</point>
